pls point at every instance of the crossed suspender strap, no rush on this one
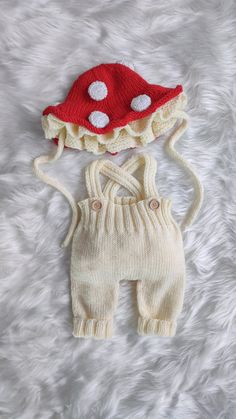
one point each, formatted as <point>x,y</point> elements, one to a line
<point>121,176</point>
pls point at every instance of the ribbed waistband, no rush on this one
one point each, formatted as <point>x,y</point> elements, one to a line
<point>127,216</point>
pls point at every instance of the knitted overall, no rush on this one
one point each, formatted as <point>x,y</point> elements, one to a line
<point>126,237</point>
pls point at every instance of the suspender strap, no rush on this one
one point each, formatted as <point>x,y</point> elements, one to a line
<point>113,172</point>
<point>130,166</point>
<point>170,143</point>
<point>57,185</point>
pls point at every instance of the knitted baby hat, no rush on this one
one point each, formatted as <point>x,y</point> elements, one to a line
<point>112,108</point>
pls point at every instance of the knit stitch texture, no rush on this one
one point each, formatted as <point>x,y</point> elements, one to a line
<point>123,85</point>
<point>126,237</point>
<point>137,133</point>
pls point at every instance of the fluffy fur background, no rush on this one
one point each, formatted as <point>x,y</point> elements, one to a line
<point>45,372</point>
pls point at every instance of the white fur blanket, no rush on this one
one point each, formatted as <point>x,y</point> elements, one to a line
<point>45,372</point>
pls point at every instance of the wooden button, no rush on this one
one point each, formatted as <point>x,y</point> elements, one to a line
<point>153,204</point>
<point>96,205</point>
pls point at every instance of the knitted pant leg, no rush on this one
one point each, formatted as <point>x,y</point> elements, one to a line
<point>93,303</point>
<point>160,302</point>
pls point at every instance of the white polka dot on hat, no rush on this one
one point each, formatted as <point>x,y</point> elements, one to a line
<point>97,90</point>
<point>99,119</point>
<point>140,103</point>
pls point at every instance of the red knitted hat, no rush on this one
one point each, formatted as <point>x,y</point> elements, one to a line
<point>109,108</point>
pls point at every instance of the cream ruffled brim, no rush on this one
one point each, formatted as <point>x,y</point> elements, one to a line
<point>135,134</point>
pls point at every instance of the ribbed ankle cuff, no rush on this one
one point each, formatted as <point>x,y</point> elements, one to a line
<point>156,327</point>
<point>92,328</point>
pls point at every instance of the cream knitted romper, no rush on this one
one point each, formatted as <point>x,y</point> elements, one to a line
<point>132,237</point>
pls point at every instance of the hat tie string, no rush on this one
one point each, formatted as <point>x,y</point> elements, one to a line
<point>198,188</point>
<point>57,185</point>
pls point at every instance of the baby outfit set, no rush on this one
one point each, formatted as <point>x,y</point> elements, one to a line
<point>114,237</point>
